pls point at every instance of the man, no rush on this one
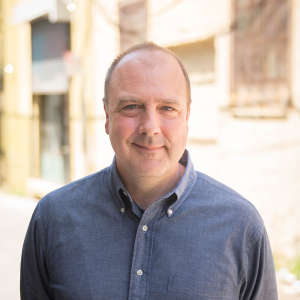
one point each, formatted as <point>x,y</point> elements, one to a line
<point>149,226</point>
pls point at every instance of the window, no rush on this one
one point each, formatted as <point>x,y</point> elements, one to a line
<point>199,60</point>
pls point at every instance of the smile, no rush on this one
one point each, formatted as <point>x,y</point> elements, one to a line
<point>148,148</point>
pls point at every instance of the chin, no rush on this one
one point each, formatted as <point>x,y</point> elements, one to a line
<point>153,169</point>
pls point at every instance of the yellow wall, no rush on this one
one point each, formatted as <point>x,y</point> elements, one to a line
<point>17,104</point>
<point>94,44</point>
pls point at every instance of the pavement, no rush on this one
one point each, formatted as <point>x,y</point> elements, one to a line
<point>15,213</point>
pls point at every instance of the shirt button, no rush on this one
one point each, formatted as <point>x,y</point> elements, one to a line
<point>139,272</point>
<point>170,212</point>
<point>145,228</point>
<point>122,210</point>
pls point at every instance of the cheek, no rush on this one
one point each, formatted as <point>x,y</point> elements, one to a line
<point>175,129</point>
<point>122,127</point>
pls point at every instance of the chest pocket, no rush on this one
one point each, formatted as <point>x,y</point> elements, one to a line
<point>197,289</point>
<point>187,287</point>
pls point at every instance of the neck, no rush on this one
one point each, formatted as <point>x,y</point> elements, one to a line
<point>146,190</point>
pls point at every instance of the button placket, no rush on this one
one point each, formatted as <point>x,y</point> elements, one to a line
<point>141,256</point>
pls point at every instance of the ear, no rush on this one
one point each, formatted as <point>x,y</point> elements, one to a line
<point>106,116</point>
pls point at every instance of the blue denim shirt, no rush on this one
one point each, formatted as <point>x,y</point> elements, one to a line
<point>90,241</point>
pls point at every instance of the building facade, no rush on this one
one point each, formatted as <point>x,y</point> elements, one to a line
<point>51,102</point>
<point>242,57</point>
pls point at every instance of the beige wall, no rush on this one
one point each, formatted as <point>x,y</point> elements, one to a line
<point>295,53</point>
<point>95,42</point>
<point>106,48</point>
<point>199,60</point>
<point>186,21</point>
<point>222,65</point>
<point>198,33</point>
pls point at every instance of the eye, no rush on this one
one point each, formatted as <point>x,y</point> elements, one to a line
<point>167,108</point>
<point>131,110</point>
<point>130,107</point>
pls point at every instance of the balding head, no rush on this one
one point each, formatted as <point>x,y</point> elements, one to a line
<point>151,48</point>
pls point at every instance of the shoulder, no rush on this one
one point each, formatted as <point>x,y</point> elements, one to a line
<point>228,206</point>
<point>73,195</point>
<point>218,194</point>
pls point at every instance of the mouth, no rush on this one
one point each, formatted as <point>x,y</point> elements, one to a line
<point>148,148</point>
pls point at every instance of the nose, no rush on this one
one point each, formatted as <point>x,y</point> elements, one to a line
<point>149,123</point>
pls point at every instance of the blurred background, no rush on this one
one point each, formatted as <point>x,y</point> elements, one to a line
<point>243,58</point>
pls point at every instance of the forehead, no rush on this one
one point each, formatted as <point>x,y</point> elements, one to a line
<point>149,58</point>
<point>152,68</point>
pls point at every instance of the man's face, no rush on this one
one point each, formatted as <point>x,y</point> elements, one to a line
<point>147,114</point>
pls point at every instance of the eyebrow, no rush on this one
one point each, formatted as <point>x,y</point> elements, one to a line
<point>132,99</point>
<point>169,101</point>
<point>128,99</point>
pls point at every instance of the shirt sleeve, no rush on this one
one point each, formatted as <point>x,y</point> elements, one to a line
<point>260,280</point>
<point>34,276</point>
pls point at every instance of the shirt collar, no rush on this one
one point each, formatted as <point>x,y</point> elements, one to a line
<point>175,197</point>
